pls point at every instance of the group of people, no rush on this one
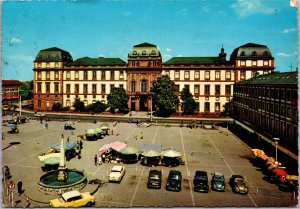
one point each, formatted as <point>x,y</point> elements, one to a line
<point>99,159</point>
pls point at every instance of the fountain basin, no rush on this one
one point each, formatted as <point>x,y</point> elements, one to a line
<point>49,184</point>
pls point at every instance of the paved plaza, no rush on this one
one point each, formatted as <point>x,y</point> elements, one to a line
<point>208,150</point>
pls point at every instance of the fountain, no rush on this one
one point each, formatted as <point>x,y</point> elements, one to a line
<point>62,180</point>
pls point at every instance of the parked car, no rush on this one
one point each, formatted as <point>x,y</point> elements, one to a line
<point>201,181</point>
<point>238,184</point>
<point>116,174</point>
<point>69,125</point>
<point>5,107</point>
<point>174,181</point>
<point>218,182</point>
<point>154,179</point>
<point>134,120</point>
<point>39,114</point>
<point>73,199</point>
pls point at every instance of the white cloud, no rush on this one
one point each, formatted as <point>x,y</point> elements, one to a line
<point>179,55</point>
<point>283,54</point>
<point>245,8</point>
<point>20,57</point>
<point>14,41</point>
<point>168,49</point>
<point>288,30</point>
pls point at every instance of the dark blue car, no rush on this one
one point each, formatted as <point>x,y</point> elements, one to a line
<point>174,181</point>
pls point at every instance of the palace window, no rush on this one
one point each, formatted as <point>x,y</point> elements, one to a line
<point>254,63</point>
<point>144,86</point>
<point>243,75</point>
<point>56,64</point>
<point>76,75</point>
<point>207,75</point>
<point>39,65</point>
<point>85,88</point>
<point>39,75</point>
<point>217,75</point>
<point>68,75</point>
<point>94,75</point>
<point>196,89</point>
<point>56,75</point>
<point>197,75</point>
<point>85,75</point>
<point>206,107</point>
<point>112,75</point>
<point>217,89</point>
<point>39,87</point>
<point>47,87</point>
<point>186,75</point>
<point>121,74</point>
<point>217,107</point>
<point>112,86</point>
<point>103,88</point>
<point>94,88</point>
<point>68,88</point>
<point>228,89</point>
<point>47,75</point>
<point>167,72</point>
<point>76,86</point>
<point>266,63</point>
<point>228,75</point>
<point>56,87</point>
<point>207,89</point>
<point>47,64</point>
<point>177,74</point>
<point>243,63</point>
<point>121,86</point>
<point>133,86</point>
<point>103,75</point>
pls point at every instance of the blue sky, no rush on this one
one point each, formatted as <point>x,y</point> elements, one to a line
<point>111,28</point>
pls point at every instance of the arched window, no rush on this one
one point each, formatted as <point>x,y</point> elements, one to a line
<point>134,53</point>
<point>144,52</point>
<point>265,53</point>
<point>254,54</point>
<point>144,86</point>
<point>242,53</point>
<point>153,52</point>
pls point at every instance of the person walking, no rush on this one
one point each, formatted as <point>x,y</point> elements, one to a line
<point>20,185</point>
<point>46,125</point>
<point>100,160</point>
<point>80,144</point>
<point>96,159</point>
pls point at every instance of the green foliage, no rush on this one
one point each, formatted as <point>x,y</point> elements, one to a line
<point>97,107</point>
<point>79,105</point>
<point>189,105</point>
<point>228,108</point>
<point>117,100</point>
<point>164,96</point>
<point>26,89</point>
<point>56,106</point>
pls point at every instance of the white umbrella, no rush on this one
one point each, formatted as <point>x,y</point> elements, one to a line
<point>170,153</point>
<point>150,153</point>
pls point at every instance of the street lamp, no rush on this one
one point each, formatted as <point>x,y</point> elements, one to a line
<point>276,144</point>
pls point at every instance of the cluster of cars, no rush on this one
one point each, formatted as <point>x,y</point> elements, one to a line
<point>237,182</point>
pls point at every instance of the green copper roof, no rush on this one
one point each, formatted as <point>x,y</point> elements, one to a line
<point>251,51</point>
<point>144,50</point>
<point>54,54</point>
<point>196,61</point>
<point>275,78</point>
<point>101,61</point>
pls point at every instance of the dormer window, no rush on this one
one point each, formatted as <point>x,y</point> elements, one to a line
<point>254,54</point>
<point>265,53</point>
<point>144,52</point>
<point>242,54</point>
<point>134,53</point>
<point>153,52</point>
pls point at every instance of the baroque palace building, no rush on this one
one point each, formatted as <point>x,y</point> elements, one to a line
<point>57,78</point>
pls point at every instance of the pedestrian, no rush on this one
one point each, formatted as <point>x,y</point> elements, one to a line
<point>68,139</point>
<point>41,119</point>
<point>112,131</point>
<point>20,185</point>
<point>46,125</point>
<point>100,160</point>
<point>96,159</point>
<point>80,144</point>
<point>103,158</point>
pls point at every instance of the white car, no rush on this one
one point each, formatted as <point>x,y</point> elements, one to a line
<point>116,174</point>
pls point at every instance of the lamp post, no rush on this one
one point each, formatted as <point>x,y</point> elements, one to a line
<point>276,144</point>
<point>151,110</point>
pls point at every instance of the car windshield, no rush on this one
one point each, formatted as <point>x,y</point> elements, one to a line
<point>219,178</point>
<point>61,199</point>
<point>202,178</point>
<point>154,177</point>
<point>239,179</point>
<point>115,171</point>
<point>174,177</point>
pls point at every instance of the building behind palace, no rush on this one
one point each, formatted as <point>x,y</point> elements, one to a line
<point>10,91</point>
<point>269,104</point>
<point>58,78</point>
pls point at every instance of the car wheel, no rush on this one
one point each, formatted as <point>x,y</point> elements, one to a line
<point>89,204</point>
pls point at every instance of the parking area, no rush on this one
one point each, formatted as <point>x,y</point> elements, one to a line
<point>208,150</point>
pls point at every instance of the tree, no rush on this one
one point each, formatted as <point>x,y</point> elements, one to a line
<point>56,106</point>
<point>78,105</point>
<point>117,100</point>
<point>26,89</point>
<point>228,108</point>
<point>189,105</point>
<point>164,96</point>
<point>97,107</point>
